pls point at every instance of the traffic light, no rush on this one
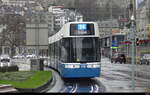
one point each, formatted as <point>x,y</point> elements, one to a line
<point>137,42</point>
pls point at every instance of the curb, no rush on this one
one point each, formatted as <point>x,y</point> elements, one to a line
<point>102,87</point>
<point>51,85</point>
<point>40,89</point>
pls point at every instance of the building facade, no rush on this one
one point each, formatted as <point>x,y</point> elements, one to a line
<point>111,36</point>
<point>61,15</point>
<point>37,39</point>
<point>143,27</point>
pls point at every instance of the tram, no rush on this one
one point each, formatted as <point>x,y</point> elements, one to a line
<point>74,51</point>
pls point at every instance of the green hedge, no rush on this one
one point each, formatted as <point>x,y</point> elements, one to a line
<point>9,69</point>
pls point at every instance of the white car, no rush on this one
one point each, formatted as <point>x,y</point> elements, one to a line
<point>31,56</point>
<point>18,56</point>
<point>5,61</point>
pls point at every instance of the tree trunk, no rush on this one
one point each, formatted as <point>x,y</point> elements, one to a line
<point>12,51</point>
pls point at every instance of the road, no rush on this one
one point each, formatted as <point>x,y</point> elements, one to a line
<point>117,77</point>
<point>83,85</point>
<point>76,85</point>
<point>114,78</point>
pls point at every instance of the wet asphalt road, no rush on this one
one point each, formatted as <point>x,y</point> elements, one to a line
<point>63,85</point>
<point>83,86</point>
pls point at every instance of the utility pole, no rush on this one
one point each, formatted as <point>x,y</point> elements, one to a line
<point>37,33</point>
<point>111,35</point>
<point>133,30</point>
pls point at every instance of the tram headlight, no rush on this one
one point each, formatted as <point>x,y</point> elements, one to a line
<point>96,66</point>
<point>72,66</point>
<point>93,66</point>
<point>76,66</point>
<point>68,66</point>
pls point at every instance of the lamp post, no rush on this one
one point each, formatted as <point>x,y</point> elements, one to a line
<point>111,29</point>
<point>133,30</point>
<point>37,34</point>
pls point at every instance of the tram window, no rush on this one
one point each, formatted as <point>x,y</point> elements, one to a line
<point>85,50</point>
<point>79,50</point>
<point>81,29</point>
<point>65,50</point>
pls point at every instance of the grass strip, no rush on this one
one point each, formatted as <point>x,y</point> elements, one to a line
<point>31,79</point>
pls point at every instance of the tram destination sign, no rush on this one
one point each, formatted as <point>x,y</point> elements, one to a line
<point>81,29</point>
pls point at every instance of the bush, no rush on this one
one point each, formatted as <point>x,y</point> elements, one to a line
<point>9,69</point>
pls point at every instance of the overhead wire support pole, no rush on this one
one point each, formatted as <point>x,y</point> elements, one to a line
<point>133,30</point>
<point>133,54</point>
<point>111,29</point>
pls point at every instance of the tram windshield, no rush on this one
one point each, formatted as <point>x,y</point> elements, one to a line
<point>80,50</point>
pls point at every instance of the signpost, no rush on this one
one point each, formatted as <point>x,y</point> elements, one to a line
<point>133,53</point>
<point>114,44</point>
<point>133,30</point>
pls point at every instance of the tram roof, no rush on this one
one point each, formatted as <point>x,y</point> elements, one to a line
<point>65,32</point>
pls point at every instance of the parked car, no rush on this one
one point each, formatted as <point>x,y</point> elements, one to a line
<point>5,61</point>
<point>18,56</point>
<point>31,56</point>
<point>121,58</point>
<point>145,59</point>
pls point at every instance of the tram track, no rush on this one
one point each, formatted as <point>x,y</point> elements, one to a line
<point>82,85</point>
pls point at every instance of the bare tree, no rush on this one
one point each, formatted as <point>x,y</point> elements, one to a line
<point>14,34</point>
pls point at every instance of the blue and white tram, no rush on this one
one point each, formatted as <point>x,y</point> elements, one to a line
<point>75,50</point>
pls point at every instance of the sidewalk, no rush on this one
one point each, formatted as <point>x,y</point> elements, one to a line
<point>118,77</point>
<point>7,89</point>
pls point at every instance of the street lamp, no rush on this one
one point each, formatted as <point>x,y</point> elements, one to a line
<point>133,30</point>
<point>111,35</point>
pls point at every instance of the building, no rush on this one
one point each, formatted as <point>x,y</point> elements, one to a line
<point>50,21</point>
<point>61,16</point>
<point>143,27</point>
<point>111,36</point>
<point>17,2</point>
<point>37,39</point>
